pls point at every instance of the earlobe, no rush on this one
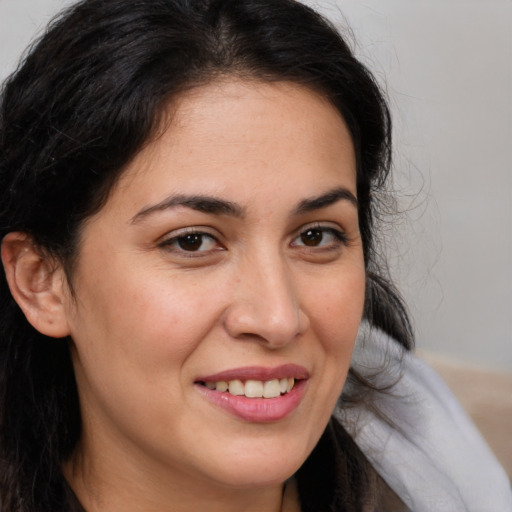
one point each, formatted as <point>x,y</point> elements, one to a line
<point>36,284</point>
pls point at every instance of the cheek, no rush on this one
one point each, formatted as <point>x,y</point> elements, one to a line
<point>335,313</point>
<point>133,333</point>
<point>143,303</point>
<point>174,314</point>
<point>338,310</point>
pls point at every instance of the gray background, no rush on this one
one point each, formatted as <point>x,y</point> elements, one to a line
<point>447,68</point>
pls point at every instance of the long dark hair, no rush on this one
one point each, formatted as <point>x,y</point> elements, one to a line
<point>80,106</point>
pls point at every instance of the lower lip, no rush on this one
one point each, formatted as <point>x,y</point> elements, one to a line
<point>257,410</point>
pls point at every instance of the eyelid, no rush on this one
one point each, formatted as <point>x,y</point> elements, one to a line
<point>170,240</point>
<point>166,242</point>
<point>335,230</point>
<point>331,227</point>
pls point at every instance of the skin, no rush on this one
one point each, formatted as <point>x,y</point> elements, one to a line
<point>148,318</point>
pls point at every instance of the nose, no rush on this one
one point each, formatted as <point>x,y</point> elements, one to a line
<point>265,305</point>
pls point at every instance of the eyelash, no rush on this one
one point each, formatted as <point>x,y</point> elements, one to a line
<point>173,243</point>
<point>176,242</point>
<point>339,236</point>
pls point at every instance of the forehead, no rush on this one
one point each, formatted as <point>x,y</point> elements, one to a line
<point>249,135</point>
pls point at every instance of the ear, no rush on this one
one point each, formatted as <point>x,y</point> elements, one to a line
<point>37,283</point>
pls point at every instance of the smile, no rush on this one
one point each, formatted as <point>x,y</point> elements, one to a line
<point>253,388</point>
<point>256,394</point>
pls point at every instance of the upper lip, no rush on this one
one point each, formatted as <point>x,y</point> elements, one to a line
<point>258,373</point>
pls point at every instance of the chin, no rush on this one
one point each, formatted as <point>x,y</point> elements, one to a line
<point>259,477</point>
<point>261,467</point>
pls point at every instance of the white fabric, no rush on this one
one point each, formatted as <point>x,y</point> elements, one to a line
<point>435,459</point>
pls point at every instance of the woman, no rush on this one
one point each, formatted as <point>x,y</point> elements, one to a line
<point>189,193</point>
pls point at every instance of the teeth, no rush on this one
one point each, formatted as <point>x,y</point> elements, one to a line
<point>221,386</point>
<point>236,387</point>
<point>254,388</point>
<point>271,389</point>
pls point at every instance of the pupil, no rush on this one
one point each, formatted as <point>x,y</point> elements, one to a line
<point>311,237</point>
<point>190,242</point>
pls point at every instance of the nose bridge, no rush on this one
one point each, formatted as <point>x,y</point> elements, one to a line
<point>265,300</point>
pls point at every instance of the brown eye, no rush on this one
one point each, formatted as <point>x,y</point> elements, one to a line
<point>321,237</point>
<point>191,242</point>
<point>312,237</point>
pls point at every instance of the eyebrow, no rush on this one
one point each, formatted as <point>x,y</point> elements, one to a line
<point>216,206</point>
<point>325,200</point>
<point>200,203</point>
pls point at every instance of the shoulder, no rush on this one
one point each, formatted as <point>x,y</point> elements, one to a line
<point>422,443</point>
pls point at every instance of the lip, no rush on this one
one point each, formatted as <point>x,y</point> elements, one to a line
<point>257,410</point>
<point>258,373</point>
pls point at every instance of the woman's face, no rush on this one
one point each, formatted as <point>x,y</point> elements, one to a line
<point>228,254</point>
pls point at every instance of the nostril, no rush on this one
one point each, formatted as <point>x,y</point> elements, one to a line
<point>276,328</point>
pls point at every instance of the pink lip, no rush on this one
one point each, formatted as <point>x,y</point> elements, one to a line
<point>257,410</point>
<point>258,373</point>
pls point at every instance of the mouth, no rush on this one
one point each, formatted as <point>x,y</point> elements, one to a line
<point>252,388</point>
<point>256,394</point>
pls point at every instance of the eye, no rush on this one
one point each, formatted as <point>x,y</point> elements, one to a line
<point>191,241</point>
<point>321,237</point>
